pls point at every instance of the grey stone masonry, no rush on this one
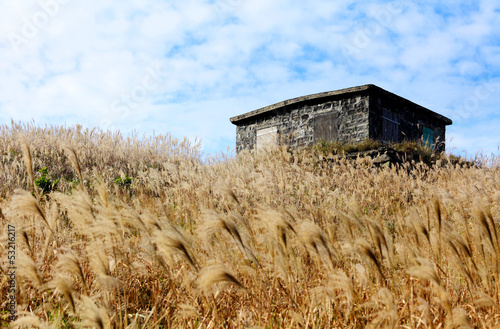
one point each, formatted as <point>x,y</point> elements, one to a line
<point>348,115</point>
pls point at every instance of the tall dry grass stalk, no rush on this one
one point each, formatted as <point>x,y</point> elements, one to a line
<point>63,285</point>
<point>28,162</point>
<point>70,263</point>
<point>73,158</point>
<point>23,203</point>
<point>299,242</point>
<point>213,274</point>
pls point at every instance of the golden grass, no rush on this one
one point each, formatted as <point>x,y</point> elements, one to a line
<point>268,240</point>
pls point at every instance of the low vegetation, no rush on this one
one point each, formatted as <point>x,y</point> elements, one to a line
<point>406,151</point>
<point>115,232</point>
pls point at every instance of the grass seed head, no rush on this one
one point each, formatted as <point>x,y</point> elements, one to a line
<point>91,314</point>
<point>23,203</point>
<point>28,162</point>
<point>73,158</point>
<point>63,285</point>
<point>69,262</point>
<point>425,270</point>
<point>28,269</point>
<point>366,251</point>
<point>213,274</point>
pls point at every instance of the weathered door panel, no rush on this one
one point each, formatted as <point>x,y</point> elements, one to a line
<point>390,126</point>
<point>267,137</point>
<point>326,127</point>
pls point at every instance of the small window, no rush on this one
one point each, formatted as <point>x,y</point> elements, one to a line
<point>267,137</point>
<point>390,127</point>
<point>428,137</point>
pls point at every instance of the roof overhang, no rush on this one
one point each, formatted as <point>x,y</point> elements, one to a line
<point>240,119</point>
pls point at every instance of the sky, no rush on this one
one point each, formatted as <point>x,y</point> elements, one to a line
<point>185,67</point>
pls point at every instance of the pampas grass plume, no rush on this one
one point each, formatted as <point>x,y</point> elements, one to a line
<point>64,286</point>
<point>214,274</point>
<point>25,203</point>
<point>28,162</point>
<point>73,158</point>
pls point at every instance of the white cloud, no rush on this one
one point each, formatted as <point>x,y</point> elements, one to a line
<point>187,66</point>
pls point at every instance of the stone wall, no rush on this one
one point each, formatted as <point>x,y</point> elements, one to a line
<point>299,124</point>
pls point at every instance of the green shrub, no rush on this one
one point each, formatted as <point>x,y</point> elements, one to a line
<point>124,181</point>
<point>45,183</point>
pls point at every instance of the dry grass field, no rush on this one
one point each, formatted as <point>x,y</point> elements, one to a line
<point>145,233</point>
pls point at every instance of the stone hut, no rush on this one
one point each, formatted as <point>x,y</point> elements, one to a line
<point>347,115</point>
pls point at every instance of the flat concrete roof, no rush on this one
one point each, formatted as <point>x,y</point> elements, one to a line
<point>239,118</point>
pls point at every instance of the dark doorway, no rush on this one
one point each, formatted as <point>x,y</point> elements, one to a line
<point>390,127</point>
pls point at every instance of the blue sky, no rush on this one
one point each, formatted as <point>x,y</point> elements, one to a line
<point>185,67</point>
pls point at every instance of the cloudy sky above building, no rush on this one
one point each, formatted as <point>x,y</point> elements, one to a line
<point>185,67</point>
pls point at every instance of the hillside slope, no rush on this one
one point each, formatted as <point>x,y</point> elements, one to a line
<point>126,232</point>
